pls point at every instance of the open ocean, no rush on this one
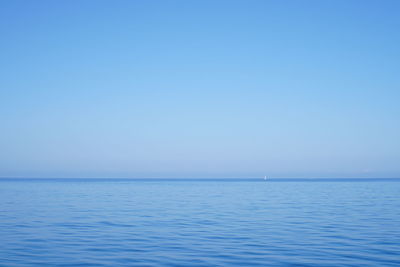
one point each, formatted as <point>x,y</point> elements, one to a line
<point>247,222</point>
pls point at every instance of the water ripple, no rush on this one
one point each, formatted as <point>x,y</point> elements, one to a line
<point>218,223</point>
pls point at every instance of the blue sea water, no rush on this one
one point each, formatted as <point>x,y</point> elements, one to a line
<point>109,222</point>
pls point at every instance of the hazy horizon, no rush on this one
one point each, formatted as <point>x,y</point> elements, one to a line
<point>200,89</point>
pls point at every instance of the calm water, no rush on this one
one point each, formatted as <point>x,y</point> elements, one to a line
<point>194,223</point>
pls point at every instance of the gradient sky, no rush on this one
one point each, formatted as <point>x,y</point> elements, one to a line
<point>200,88</point>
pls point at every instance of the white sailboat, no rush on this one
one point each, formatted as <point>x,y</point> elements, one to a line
<point>265,177</point>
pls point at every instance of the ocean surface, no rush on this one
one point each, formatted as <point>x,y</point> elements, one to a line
<point>250,222</point>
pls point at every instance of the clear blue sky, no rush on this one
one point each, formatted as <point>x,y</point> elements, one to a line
<point>200,88</point>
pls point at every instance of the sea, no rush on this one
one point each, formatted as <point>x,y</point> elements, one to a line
<point>199,222</point>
